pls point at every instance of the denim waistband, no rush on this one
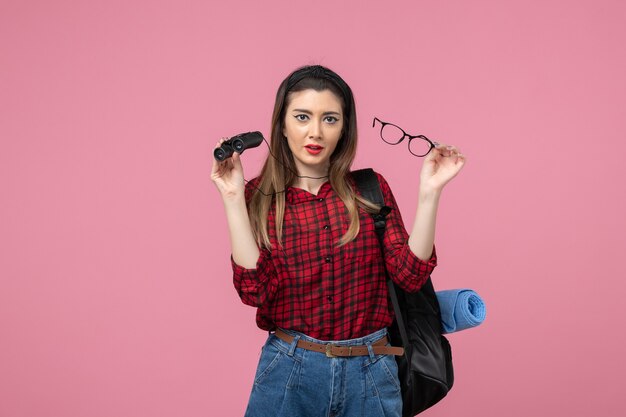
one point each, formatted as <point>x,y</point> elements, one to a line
<point>370,338</point>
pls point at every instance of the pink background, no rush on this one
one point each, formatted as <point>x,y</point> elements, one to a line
<point>116,296</point>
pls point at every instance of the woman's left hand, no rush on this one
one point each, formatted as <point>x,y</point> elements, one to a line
<point>440,165</point>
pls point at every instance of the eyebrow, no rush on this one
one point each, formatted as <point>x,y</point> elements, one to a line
<point>311,113</point>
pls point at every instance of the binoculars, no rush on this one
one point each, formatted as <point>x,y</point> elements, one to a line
<point>239,144</point>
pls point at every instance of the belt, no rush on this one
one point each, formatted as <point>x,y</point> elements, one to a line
<point>333,351</point>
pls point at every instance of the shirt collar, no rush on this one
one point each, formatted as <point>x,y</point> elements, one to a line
<point>298,195</point>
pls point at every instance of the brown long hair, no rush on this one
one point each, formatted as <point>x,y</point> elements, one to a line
<point>279,170</point>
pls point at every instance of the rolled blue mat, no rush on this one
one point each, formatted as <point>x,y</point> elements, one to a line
<point>460,309</point>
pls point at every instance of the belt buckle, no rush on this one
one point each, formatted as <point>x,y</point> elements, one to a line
<point>329,353</point>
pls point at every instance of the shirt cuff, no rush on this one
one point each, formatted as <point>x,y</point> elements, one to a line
<point>247,280</point>
<point>242,276</point>
<point>415,271</point>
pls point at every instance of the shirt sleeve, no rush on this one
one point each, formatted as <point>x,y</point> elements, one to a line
<point>403,266</point>
<point>259,285</point>
<point>255,286</point>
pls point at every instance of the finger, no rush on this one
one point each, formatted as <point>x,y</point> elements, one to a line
<point>222,140</point>
<point>432,158</point>
<point>215,168</point>
<point>442,149</point>
<point>458,160</point>
<point>435,153</point>
<point>236,160</point>
<point>450,151</point>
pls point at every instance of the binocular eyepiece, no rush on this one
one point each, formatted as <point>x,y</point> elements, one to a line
<point>239,144</point>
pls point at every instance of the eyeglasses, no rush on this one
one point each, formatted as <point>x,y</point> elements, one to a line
<point>393,135</point>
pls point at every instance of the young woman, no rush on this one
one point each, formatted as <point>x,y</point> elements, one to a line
<point>305,253</point>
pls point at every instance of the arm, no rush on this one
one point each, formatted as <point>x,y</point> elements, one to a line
<point>228,178</point>
<point>403,266</point>
<point>411,259</point>
<point>422,236</point>
<point>441,165</point>
<point>254,275</point>
<point>244,248</point>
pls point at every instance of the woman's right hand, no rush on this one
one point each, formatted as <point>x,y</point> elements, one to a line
<point>228,176</point>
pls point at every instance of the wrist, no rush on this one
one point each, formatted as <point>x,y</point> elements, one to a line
<point>428,195</point>
<point>234,200</point>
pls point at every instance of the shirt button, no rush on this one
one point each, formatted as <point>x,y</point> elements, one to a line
<point>327,259</point>
<point>329,298</point>
<point>326,227</point>
<point>320,199</point>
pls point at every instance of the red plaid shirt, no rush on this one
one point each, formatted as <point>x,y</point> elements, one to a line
<point>327,292</point>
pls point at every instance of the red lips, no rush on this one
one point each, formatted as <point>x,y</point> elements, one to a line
<point>314,149</point>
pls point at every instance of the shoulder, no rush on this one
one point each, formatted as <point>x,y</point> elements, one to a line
<point>251,187</point>
<point>383,182</point>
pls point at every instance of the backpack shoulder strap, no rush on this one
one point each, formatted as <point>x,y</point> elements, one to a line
<point>369,187</point>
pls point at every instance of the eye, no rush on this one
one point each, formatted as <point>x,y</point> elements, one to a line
<point>301,117</point>
<point>331,119</point>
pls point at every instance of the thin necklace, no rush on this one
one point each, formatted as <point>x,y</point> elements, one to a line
<point>312,178</point>
<point>291,170</point>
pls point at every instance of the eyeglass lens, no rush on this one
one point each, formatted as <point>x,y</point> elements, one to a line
<point>419,146</point>
<point>393,135</point>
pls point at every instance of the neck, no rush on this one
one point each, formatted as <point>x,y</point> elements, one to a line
<point>311,178</point>
<point>309,184</point>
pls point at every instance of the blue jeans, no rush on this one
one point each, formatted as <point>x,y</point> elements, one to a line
<point>293,382</point>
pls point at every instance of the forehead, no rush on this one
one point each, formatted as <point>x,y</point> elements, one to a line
<point>311,99</point>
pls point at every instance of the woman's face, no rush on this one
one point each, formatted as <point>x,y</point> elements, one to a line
<point>313,125</point>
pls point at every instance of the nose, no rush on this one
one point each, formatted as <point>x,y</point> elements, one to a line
<point>315,130</point>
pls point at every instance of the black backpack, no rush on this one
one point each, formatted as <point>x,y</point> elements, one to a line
<point>425,370</point>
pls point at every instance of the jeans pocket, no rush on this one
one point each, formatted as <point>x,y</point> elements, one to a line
<point>383,375</point>
<point>270,356</point>
<point>391,367</point>
<point>383,396</point>
<point>276,369</point>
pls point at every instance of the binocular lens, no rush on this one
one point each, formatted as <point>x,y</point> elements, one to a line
<point>238,145</point>
<point>219,154</point>
<point>225,151</point>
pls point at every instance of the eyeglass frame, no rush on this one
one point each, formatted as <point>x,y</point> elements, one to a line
<point>411,137</point>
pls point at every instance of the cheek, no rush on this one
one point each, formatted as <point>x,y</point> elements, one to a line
<point>291,130</point>
<point>335,145</point>
<point>338,142</point>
